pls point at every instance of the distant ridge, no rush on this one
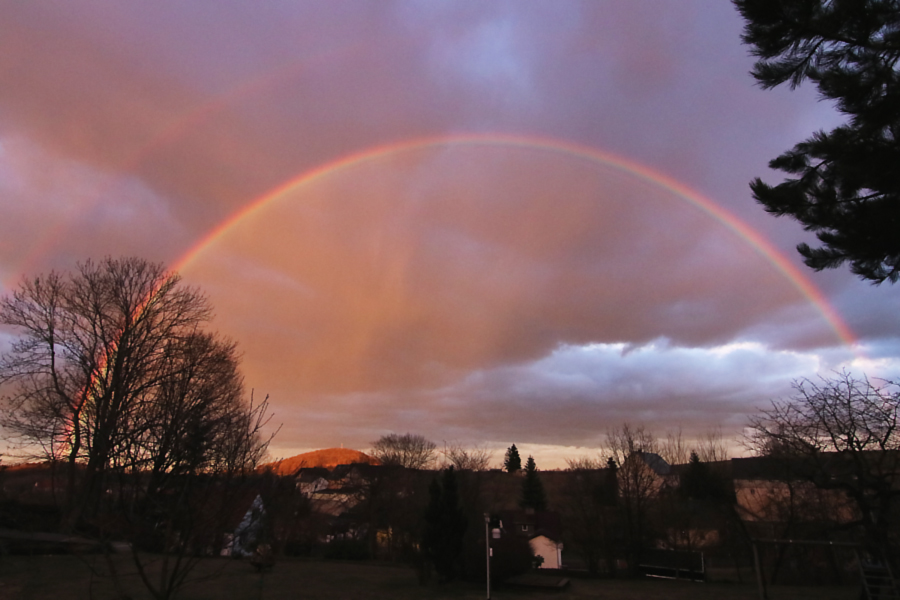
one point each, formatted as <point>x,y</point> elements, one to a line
<point>327,458</point>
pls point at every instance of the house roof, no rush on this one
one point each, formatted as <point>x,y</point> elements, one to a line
<point>657,463</point>
<point>314,474</point>
<point>652,460</point>
<point>761,468</point>
<point>814,466</point>
<point>546,523</point>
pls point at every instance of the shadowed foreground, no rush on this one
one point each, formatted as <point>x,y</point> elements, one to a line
<point>53,577</point>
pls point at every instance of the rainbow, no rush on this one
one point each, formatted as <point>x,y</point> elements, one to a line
<point>752,237</point>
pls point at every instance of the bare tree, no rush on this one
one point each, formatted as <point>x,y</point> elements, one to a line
<point>94,345</point>
<point>113,376</point>
<point>674,448</point>
<point>630,447</point>
<point>711,447</point>
<point>841,434</point>
<point>466,459</point>
<point>584,463</point>
<point>408,450</point>
<point>589,508</point>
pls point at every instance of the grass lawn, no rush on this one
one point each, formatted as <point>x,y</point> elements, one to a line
<point>70,577</point>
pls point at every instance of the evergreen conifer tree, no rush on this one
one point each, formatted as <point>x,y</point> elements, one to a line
<point>845,185</point>
<point>694,482</point>
<point>533,495</point>
<point>445,525</point>
<point>611,486</point>
<point>700,482</point>
<point>512,462</point>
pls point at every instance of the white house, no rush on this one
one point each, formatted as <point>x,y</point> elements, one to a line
<point>543,530</point>
<point>548,549</point>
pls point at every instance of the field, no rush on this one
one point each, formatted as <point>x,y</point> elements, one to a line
<point>70,577</point>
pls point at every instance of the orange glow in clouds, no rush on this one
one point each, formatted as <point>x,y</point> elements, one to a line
<point>410,265</point>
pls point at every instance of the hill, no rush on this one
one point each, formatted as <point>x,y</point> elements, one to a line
<point>327,458</point>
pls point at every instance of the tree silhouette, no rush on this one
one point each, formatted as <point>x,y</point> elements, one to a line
<point>533,495</point>
<point>701,482</point>
<point>112,372</point>
<point>612,482</point>
<point>846,184</point>
<point>409,450</point>
<point>589,516</point>
<point>113,376</point>
<point>512,462</point>
<point>445,526</point>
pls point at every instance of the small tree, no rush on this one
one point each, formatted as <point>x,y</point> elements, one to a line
<point>700,482</point>
<point>589,515</point>
<point>512,462</point>
<point>465,459</point>
<point>445,526</point>
<point>533,495</point>
<point>711,447</point>
<point>612,482</point>
<point>409,450</point>
<point>694,479</point>
<point>674,449</point>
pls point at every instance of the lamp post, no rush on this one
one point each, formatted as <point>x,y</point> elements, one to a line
<point>487,551</point>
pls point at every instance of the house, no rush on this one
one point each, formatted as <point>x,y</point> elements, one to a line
<point>646,474</point>
<point>333,502</point>
<point>769,490</point>
<point>548,549</point>
<point>342,490</point>
<point>656,463</point>
<point>310,481</point>
<point>335,489</point>
<point>543,530</point>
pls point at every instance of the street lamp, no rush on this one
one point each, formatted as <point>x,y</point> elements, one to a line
<point>487,551</point>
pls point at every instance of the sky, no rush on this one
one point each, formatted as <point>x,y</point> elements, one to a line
<point>482,222</point>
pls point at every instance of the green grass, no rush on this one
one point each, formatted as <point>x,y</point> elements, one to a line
<point>70,577</point>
